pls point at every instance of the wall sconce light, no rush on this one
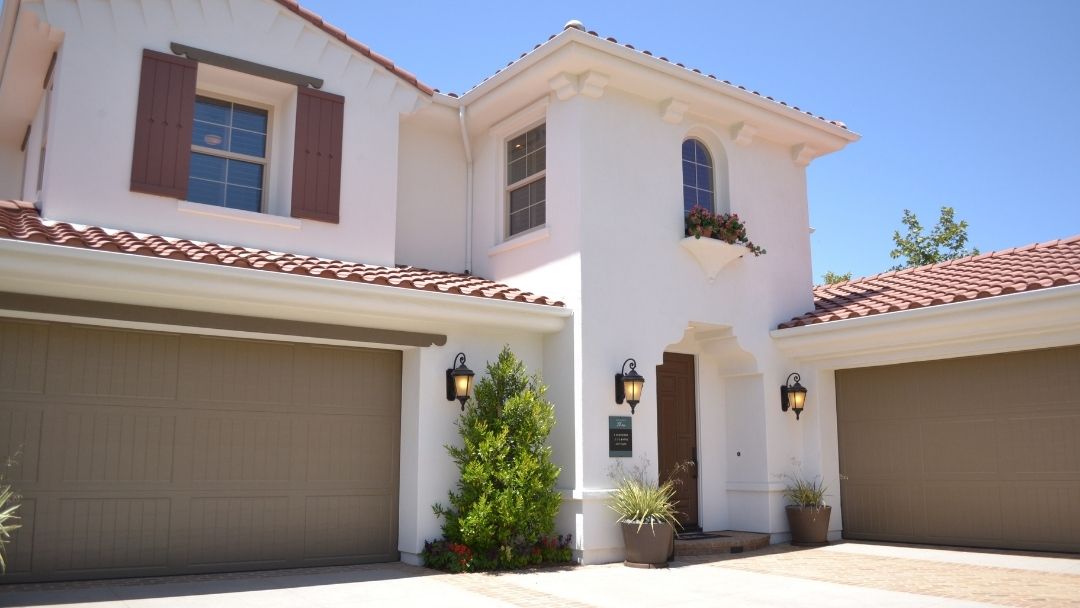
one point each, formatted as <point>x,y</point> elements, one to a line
<point>459,381</point>
<point>628,385</point>
<point>793,395</point>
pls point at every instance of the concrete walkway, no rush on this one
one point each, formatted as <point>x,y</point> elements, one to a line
<point>844,574</point>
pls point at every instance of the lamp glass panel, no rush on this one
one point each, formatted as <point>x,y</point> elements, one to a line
<point>632,387</point>
<point>462,383</point>
<point>798,398</point>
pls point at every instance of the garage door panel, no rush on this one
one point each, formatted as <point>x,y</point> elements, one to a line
<point>952,447</point>
<point>356,450</point>
<point>996,460</point>
<point>223,466</point>
<point>238,529</point>
<point>347,526</point>
<point>958,509</point>
<point>1041,445</point>
<point>112,445</point>
<point>20,433</point>
<point>23,349</point>
<point>234,448</point>
<point>1042,512</point>
<point>220,371</point>
<point>100,362</point>
<point>111,533</point>
<point>881,510</point>
<point>894,443</point>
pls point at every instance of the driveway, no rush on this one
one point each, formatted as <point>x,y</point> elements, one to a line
<point>843,574</point>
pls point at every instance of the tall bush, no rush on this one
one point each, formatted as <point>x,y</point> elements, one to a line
<point>505,502</point>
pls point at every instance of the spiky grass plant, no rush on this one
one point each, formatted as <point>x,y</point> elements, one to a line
<point>9,503</point>
<point>802,492</point>
<point>637,499</point>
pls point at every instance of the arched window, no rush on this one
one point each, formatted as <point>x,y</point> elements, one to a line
<point>697,171</point>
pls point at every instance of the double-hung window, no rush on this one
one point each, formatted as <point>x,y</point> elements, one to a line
<point>228,154</point>
<point>526,162</point>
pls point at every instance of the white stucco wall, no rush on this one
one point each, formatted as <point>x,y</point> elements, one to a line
<point>88,168</point>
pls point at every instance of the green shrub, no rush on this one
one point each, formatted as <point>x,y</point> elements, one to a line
<point>802,492</point>
<point>505,503</point>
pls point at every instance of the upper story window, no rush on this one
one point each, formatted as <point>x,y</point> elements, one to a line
<point>228,154</point>
<point>526,161</point>
<point>697,165</point>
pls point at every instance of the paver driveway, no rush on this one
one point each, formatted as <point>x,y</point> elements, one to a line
<point>844,574</point>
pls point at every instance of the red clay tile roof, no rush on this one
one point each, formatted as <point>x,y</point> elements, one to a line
<point>665,60</point>
<point>20,221</point>
<point>1036,266</point>
<point>354,44</point>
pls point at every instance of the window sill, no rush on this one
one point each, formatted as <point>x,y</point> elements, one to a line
<point>520,240</point>
<point>236,214</point>
<point>711,254</point>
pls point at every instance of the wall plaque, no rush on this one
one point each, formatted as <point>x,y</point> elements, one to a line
<point>620,437</point>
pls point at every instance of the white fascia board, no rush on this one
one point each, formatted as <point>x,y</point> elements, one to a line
<point>1028,320</point>
<point>55,270</point>
<point>570,36</point>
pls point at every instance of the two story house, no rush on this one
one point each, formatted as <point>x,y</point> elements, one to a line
<point>239,251</point>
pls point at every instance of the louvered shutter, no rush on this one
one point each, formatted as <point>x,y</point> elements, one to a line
<point>316,184</point>
<point>162,153</point>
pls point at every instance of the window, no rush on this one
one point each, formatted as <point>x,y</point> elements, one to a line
<point>526,162</point>
<point>228,154</point>
<point>697,166</point>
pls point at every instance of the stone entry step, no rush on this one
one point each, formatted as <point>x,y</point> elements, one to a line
<point>691,543</point>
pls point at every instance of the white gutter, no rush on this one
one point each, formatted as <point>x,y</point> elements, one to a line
<point>1028,319</point>
<point>55,270</point>
<point>468,189</point>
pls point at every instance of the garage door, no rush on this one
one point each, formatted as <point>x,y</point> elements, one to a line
<point>980,451</point>
<point>149,453</point>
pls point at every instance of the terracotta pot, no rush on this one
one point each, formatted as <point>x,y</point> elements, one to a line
<point>809,525</point>
<point>649,547</point>
<point>706,232</point>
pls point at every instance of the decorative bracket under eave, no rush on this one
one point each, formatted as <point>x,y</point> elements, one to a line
<point>672,110</point>
<point>743,134</point>
<point>590,84</point>
<point>802,154</point>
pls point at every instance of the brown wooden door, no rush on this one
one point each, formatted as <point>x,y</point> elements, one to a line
<point>677,430</point>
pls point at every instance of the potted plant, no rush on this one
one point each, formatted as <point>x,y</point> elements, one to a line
<point>807,514</point>
<point>647,516</point>
<point>726,227</point>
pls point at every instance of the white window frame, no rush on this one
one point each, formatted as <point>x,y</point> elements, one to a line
<point>264,161</point>
<point>529,117</point>
<point>525,181</point>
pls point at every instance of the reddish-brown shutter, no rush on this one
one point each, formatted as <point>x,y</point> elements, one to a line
<point>316,185</point>
<point>159,164</point>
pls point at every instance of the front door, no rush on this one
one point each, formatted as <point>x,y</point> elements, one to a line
<point>677,432</point>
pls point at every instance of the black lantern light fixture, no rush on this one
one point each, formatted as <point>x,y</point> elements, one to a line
<point>459,381</point>
<point>628,385</point>
<point>793,396</point>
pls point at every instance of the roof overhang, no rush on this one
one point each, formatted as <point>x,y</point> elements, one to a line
<point>1021,321</point>
<point>68,272</point>
<point>574,53</point>
<point>26,47</point>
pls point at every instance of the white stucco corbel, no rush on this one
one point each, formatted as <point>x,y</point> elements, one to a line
<point>565,86</point>
<point>592,84</point>
<point>743,134</point>
<point>673,110</point>
<point>802,154</point>
<point>589,84</point>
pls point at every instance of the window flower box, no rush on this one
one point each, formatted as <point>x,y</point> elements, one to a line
<point>716,240</point>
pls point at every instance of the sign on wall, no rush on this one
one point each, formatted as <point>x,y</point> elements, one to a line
<point>620,437</point>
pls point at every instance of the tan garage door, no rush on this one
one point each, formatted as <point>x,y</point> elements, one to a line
<point>150,453</point>
<point>980,451</point>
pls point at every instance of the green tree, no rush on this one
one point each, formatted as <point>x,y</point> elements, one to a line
<point>832,278</point>
<point>945,242</point>
<point>506,497</point>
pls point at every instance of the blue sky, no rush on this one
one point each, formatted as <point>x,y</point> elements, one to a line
<point>971,104</point>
